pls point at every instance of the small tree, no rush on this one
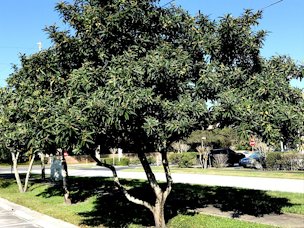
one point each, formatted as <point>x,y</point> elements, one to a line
<point>137,76</point>
<point>220,160</point>
<point>113,152</point>
<point>215,138</point>
<point>203,156</point>
<point>15,134</point>
<point>263,148</point>
<point>180,147</point>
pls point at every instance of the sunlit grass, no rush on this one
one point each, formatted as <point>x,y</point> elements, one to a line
<point>297,199</point>
<point>206,221</point>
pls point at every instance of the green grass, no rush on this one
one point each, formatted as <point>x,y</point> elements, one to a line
<point>229,172</point>
<point>97,202</point>
<point>205,221</point>
<point>297,199</point>
<point>52,206</point>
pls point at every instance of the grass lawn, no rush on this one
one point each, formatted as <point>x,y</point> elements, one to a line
<point>97,202</point>
<point>229,172</point>
<point>204,221</point>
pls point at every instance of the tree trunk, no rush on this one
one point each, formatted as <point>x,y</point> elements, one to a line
<point>42,157</point>
<point>158,208</point>
<point>200,160</point>
<point>64,172</point>
<point>161,196</point>
<point>15,168</point>
<point>28,173</point>
<point>159,212</point>
<point>206,156</point>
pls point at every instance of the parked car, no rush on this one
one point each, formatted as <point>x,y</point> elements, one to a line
<point>233,157</point>
<point>255,160</point>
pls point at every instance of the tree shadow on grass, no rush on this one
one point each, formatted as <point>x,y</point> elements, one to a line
<point>6,180</point>
<point>239,201</point>
<point>112,209</point>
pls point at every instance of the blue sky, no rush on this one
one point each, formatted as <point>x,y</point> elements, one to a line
<point>22,23</point>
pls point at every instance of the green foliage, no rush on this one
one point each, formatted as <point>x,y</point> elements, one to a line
<point>243,145</point>
<point>130,160</point>
<point>123,161</point>
<point>292,161</point>
<point>137,76</point>
<point>273,160</point>
<point>284,160</point>
<point>129,87</point>
<point>5,157</point>
<point>265,104</point>
<point>134,160</point>
<point>151,159</point>
<point>136,69</point>
<point>215,138</point>
<point>183,160</point>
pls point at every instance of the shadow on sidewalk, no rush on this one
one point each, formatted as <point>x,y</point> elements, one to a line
<point>112,209</point>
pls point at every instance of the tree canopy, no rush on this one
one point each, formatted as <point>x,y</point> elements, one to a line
<point>134,75</point>
<point>124,79</point>
<point>266,104</point>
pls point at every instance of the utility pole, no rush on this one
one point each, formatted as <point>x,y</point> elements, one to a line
<point>203,138</point>
<point>39,45</point>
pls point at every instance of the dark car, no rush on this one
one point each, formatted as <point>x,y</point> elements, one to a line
<point>233,157</point>
<point>255,160</point>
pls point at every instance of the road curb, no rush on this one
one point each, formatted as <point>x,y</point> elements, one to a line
<point>35,217</point>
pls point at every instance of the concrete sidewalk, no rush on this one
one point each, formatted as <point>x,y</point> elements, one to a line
<point>8,219</point>
<point>14,215</point>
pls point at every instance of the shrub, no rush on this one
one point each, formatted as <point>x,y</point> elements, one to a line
<point>108,160</point>
<point>183,160</point>
<point>292,161</point>
<point>134,160</point>
<point>151,159</point>
<point>220,160</point>
<point>273,160</point>
<point>173,158</point>
<point>123,161</point>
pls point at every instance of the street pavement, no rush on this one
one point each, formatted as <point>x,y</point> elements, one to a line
<point>257,183</point>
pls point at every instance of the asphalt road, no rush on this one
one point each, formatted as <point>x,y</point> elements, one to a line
<point>273,184</point>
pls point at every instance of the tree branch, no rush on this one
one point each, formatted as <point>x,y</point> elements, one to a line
<point>150,175</point>
<point>169,179</point>
<point>29,172</point>
<point>121,187</point>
